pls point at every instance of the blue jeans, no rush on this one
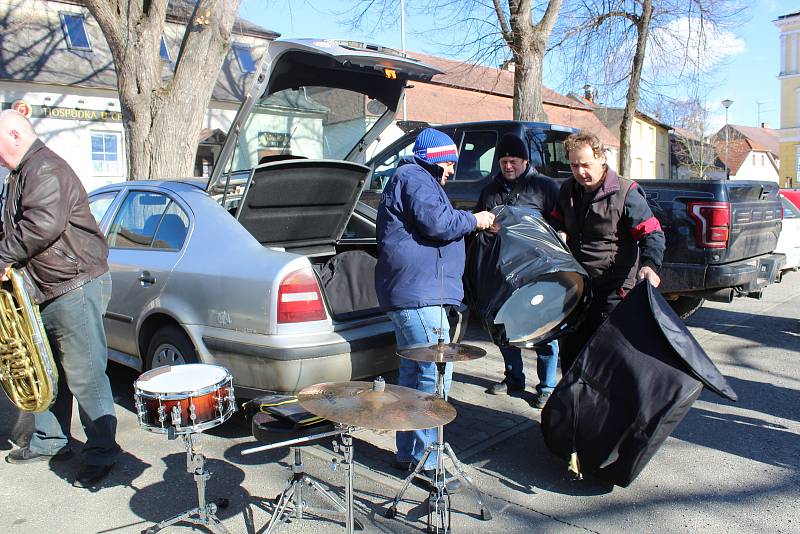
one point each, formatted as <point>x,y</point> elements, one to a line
<point>419,327</point>
<point>74,326</point>
<point>546,366</point>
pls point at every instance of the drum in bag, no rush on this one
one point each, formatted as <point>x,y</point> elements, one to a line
<point>523,281</point>
<point>184,398</point>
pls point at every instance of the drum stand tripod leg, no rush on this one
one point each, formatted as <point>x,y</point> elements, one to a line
<point>293,495</point>
<point>439,499</point>
<point>205,513</point>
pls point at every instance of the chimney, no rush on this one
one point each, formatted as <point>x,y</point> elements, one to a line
<point>508,65</point>
<point>764,125</point>
<point>589,93</point>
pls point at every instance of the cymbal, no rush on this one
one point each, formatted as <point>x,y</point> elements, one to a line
<point>444,352</point>
<point>376,405</point>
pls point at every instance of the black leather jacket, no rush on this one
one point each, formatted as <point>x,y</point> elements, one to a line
<point>47,226</point>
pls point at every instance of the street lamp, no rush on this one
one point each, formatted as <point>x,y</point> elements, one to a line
<point>726,104</point>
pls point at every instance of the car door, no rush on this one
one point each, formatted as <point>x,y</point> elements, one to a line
<point>145,239</point>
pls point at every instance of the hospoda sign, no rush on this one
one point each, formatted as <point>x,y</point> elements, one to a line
<point>56,112</point>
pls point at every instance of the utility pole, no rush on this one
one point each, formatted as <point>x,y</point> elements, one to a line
<point>726,104</point>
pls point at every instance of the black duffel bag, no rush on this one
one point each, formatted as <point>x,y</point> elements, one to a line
<point>628,389</point>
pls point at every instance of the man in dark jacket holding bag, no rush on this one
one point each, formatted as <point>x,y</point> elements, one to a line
<point>49,233</point>
<point>420,266</point>
<point>519,184</point>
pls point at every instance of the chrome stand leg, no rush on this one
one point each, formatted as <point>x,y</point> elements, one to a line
<point>205,514</point>
<point>292,496</point>
<point>439,499</point>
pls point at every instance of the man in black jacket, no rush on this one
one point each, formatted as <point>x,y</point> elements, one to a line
<point>610,230</point>
<point>49,233</point>
<point>519,184</point>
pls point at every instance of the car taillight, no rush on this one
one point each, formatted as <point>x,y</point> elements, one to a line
<point>713,223</point>
<point>299,298</point>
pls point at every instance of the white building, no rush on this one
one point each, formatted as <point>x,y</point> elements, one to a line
<point>56,67</point>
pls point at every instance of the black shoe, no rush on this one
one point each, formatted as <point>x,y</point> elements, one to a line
<point>90,475</point>
<point>504,388</point>
<point>26,456</point>
<point>405,467</point>
<point>454,486</point>
<point>540,400</point>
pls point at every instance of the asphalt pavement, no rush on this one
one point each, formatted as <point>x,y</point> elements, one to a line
<point>728,467</point>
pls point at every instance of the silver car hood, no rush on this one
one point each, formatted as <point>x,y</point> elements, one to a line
<point>301,203</point>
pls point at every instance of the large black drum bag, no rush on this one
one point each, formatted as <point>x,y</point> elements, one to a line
<point>523,282</point>
<point>628,389</point>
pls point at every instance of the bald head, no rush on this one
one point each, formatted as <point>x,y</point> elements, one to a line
<point>16,137</point>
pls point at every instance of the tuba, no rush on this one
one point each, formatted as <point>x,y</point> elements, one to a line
<point>27,370</point>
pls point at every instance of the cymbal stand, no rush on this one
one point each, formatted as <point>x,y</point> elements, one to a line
<point>439,499</point>
<point>205,513</point>
<point>293,492</point>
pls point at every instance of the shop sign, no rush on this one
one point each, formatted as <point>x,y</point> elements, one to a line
<point>55,112</point>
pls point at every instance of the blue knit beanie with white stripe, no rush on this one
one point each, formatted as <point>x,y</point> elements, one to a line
<point>435,147</point>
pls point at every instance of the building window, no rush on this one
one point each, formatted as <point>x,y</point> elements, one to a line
<point>163,51</point>
<point>652,135</point>
<point>639,168</point>
<point>245,57</point>
<point>639,130</point>
<point>74,28</point>
<point>106,153</point>
<point>762,160</point>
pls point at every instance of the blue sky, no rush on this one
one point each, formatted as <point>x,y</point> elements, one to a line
<point>747,77</point>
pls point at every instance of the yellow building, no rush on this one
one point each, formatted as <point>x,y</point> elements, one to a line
<point>649,143</point>
<point>789,26</point>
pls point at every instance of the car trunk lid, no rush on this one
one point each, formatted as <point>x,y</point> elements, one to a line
<point>301,205</point>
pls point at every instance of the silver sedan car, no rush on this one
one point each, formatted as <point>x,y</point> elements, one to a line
<point>191,284</point>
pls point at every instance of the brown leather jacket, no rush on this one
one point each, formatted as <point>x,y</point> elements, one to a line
<point>47,226</point>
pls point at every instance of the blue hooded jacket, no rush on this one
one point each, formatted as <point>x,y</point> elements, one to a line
<point>420,235</point>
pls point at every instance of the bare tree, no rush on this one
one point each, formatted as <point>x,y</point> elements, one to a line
<point>692,155</point>
<point>637,45</point>
<point>489,32</point>
<point>163,115</point>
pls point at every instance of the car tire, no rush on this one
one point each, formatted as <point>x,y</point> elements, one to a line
<point>170,346</point>
<point>685,306</point>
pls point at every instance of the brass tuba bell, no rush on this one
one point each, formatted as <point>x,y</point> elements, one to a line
<point>27,370</point>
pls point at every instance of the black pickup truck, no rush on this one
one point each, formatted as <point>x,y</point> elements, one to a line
<point>720,234</point>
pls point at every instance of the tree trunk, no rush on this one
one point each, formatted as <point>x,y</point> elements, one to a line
<point>162,115</point>
<point>632,99</point>
<point>528,43</point>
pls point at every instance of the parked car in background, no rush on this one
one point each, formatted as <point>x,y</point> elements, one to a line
<point>793,195</point>
<point>244,275</point>
<point>789,240</point>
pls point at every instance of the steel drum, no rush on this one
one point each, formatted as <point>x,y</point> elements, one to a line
<point>523,282</point>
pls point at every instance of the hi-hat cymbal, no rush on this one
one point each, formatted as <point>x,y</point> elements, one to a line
<point>442,352</point>
<point>376,405</point>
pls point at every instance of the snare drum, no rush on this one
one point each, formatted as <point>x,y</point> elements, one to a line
<point>184,398</point>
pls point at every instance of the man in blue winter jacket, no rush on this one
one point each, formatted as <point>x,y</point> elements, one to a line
<point>420,265</point>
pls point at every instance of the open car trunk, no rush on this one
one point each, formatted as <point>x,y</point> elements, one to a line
<point>304,206</point>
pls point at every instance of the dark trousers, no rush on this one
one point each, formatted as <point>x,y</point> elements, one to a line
<point>603,303</point>
<point>74,326</point>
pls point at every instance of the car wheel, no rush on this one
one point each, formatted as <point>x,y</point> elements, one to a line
<point>685,306</point>
<point>170,346</point>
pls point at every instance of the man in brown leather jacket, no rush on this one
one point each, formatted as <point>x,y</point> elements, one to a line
<point>50,234</point>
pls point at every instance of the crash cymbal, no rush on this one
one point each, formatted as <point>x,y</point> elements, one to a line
<point>376,405</point>
<point>442,352</point>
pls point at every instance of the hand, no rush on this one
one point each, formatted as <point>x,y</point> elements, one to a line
<point>494,228</point>
<point>562,235</point>
<point>647,273</point>
<point>6,273</point>
<point>485,220</point>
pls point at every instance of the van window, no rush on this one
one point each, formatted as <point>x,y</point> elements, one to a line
<point>551,159</point>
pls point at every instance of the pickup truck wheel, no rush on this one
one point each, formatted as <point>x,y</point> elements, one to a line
<point>686,306</point>
<point>170,346</point>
